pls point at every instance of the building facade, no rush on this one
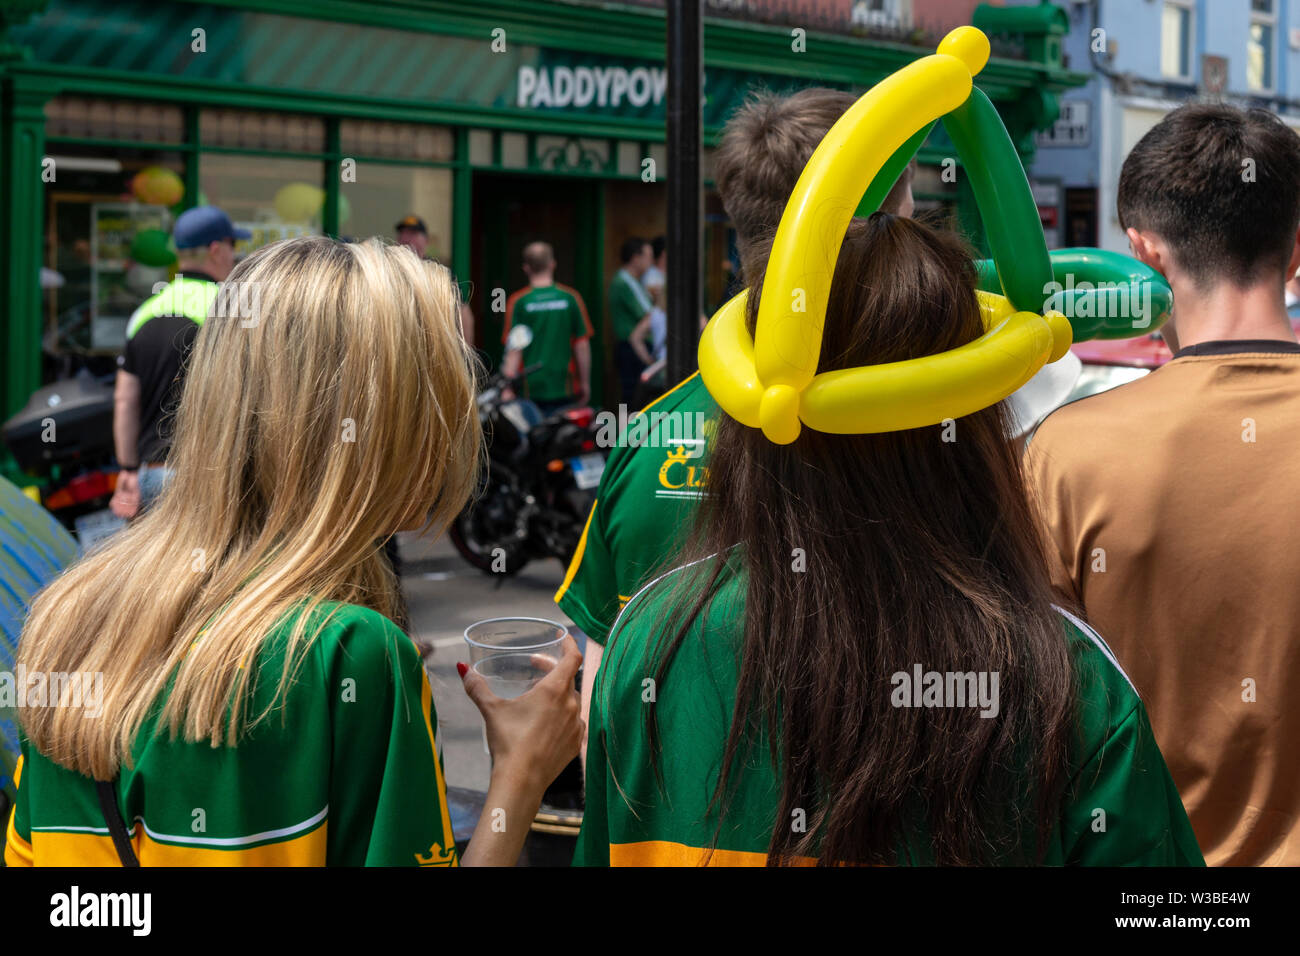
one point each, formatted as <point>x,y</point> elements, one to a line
<point>497,123</point>
<point>1144,58</point>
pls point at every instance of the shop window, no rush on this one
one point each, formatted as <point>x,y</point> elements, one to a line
<point>480,147</point>
<point>132,121</point>
<point>273,197</point>
<point>1259,48</point>
<point>108,216</point>
<point>383,140</point>
<point>514,150</point>
<point>629,158</point>
<point>1176,39</point>
<point>257,129</point>
<point>383,194</point>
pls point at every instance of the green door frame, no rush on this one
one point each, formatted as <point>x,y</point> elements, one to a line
<point>22,232</point>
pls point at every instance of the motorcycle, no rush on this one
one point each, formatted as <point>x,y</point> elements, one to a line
<point>540,481</point>
<point>63,438</point>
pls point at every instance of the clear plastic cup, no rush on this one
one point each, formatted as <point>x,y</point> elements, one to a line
<point>512,654</point>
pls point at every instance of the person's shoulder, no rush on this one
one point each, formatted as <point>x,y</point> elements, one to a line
<point>655,425</point>
<point>1098,428</point>
<point>1105,692</point>
<point>358,634</point>
<point>687,395</point>
<point>168,330</point>
<point>661,599</point>
<point>1105,406</point>
<point>569,292</point>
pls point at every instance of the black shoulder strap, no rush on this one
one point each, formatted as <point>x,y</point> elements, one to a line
<point>107,790</point>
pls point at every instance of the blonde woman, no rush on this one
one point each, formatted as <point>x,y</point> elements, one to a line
<point>245,698</point>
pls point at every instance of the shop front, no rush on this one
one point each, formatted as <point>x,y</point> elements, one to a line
<point>497,124</point>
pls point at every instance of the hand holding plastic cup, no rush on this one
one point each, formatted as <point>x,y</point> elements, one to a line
<point>512,654</point>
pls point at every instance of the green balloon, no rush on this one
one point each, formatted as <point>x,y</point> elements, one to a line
<point>889,173</point>
<point>152,247</point>
<point>1105,295</point>
<point>1011,221</point>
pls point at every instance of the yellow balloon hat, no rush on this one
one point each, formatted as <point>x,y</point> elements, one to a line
<point>769,381</point>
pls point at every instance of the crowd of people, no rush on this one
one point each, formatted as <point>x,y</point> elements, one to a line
<point>910,647</point>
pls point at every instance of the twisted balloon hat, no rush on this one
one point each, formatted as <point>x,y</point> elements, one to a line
<point>769,380</point>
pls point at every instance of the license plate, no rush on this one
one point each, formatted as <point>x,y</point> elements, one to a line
<point>587,470</point>
<point>96,526</point>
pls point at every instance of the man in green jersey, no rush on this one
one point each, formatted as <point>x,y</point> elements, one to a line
<point>560,346</point>
<point>1120,805</point>
<point>646,492</point>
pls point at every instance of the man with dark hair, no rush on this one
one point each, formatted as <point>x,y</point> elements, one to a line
<point>1170,500</point>
<point>657,274</point>
<point>561,335</point>
<point>628,307</point>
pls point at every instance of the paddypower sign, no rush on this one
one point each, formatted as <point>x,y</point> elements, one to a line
<point>585,87</point>
<point>548,79</point>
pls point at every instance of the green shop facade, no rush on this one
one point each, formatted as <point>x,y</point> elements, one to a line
<point>496,123</point>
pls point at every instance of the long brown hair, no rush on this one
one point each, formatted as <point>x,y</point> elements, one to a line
<point>920,547</point>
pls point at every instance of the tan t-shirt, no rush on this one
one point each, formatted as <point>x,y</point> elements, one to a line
<point>1173,507</point>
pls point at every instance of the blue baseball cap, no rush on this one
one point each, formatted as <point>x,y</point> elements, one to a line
<point>197,227</point>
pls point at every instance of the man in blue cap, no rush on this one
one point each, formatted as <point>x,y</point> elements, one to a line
<point>159,337</point>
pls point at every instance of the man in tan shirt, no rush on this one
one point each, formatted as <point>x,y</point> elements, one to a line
<point>1173,503</point>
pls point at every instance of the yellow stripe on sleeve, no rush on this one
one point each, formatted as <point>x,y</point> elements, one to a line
<point>577,555</point>
<point>449,838</point>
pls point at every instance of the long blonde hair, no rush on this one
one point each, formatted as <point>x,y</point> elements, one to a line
<point>329,402</point>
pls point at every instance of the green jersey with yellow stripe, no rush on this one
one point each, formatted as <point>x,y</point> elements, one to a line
<point>345,771</point>
<point>1120,807</point>
<point>643,505</point>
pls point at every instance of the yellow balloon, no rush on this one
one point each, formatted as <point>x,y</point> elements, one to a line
<point>897,395</point>
<point>299,202</point>
<point>769,380</point>
<point>158,186</point>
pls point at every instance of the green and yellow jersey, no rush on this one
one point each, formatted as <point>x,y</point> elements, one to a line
<point>1120,808</point>
<point>558,318</point>
<point>345,772</point>
<point>651,481</point>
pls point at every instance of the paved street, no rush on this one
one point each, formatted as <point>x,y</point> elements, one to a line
<point>446,595</point>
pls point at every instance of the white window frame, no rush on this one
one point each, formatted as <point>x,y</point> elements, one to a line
<point>1190,7</point>
<point>1269,20</point>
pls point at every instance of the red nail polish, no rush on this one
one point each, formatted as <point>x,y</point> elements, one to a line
<point>461,669</point>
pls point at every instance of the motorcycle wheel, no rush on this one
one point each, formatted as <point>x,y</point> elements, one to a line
<point>472,546</point>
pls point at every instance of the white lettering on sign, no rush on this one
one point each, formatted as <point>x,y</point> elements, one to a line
<point>1072,128</point>
<point>584,86</point>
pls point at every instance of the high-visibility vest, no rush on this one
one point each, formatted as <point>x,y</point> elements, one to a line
<point>190,296</point>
